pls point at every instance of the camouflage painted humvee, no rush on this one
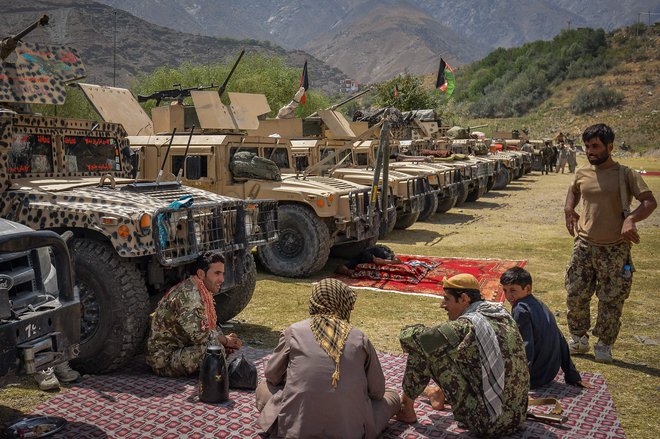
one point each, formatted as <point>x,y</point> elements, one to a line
<point>315,214</point>
<point>132,239</point>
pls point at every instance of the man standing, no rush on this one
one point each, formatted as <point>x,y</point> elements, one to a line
<point>563,158</point>
<point>606,230</point>
<point>571,154</point>
<point>477,358</point>
<point>185,322</point>
<point>546,157</point>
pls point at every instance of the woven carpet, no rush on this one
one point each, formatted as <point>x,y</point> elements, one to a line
<point>487,271</point>
<point>133,403</point>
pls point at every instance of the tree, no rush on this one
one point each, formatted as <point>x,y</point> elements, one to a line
<point>411,94</point>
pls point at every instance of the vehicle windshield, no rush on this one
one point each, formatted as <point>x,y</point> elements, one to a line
<point>30,154</point>
<point>91,154</point>
<point>279,155</point>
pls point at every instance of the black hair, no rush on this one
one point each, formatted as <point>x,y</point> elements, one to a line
<point>204,260</point>
<point>473,295</point>
<point>516,276</point>
<point>600,130</point>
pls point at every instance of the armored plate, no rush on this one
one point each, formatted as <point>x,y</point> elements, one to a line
<point>247,107</point>
<point>211,112</point>
<point>337,124</point>
<point>118,105</point>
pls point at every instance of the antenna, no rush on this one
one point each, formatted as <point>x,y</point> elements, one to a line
<point>167,153</point>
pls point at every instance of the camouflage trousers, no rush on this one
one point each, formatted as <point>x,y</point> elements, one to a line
<point>468,407</point>
<point>181,362</point>
<point>600,270</point>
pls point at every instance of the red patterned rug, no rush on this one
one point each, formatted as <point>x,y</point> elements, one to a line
<point>134,403</point>
<point>487,271</point>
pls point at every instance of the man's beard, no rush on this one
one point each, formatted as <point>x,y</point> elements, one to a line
<point>598,161</point>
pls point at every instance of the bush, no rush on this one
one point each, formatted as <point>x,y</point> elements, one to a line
<point>597,97</point>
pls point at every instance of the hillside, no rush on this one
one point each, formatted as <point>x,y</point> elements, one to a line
<point>634,72</point>
<point>141,46</point>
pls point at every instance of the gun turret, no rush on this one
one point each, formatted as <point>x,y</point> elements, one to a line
<point>172,94</point>
<point>345,101</point>
<point>222,88</point>
<point>7,45</point>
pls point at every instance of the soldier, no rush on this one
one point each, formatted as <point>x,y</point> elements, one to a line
<point>477,359</point>
<point>571,154</point>
<point>563,158</point>
<point>289,110</point>
<point>546,158</point>
<point>185,322</point>
<point>527,147</point>
<point>606,229</point>
<point>554,156</point>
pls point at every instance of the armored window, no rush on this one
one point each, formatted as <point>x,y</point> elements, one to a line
<point>302,163</point>
<point>279,155</point>
<point>327,152</point>
<point>30,154</point>
<point>91,154</point>
<point>177,163</point>
<point>362,158</point>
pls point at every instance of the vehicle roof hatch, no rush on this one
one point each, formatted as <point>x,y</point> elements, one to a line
<point>242,114</point>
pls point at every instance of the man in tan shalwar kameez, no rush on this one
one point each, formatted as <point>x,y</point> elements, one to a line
<point>324,378</point>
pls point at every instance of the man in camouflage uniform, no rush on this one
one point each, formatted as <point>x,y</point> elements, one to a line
<point>601,261</point>
<point>546,158</point>
<point>477,358</point>
<point>185,323</point>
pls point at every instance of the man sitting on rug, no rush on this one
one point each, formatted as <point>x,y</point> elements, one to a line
<point>477,358</point>
<point>185,322</point>
<point>545,345</point>
<point>305,395</point>
<point>375,254</point>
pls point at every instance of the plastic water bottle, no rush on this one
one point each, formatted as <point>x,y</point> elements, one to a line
<point>627,274</point>
<point>213,377</point>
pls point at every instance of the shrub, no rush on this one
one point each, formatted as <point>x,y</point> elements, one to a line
<point>597,97</point>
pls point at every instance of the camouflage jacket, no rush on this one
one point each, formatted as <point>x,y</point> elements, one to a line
<point>451,356</point>
<point>179,321</point>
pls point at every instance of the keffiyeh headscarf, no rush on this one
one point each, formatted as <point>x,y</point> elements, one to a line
<point>330,306</point>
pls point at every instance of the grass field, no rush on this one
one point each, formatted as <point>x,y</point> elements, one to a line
<point>524,221</point>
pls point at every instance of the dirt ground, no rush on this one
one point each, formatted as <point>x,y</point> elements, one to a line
<point>523,221</point>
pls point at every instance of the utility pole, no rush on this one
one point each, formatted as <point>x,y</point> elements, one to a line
<point>569,25</point>
<point>114,54</point>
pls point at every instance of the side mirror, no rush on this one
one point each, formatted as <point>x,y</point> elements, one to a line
<point>193,167</point>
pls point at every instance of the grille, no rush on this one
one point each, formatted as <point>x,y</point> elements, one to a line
<point>358,202</point>
<point>182,234</point>
<point>28,287</point>
<point>261,222</point>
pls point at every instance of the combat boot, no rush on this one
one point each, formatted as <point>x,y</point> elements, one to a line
<point>603,353</point>
<point>65,374</point>
<point>578,345</point>
<point>47,379</point>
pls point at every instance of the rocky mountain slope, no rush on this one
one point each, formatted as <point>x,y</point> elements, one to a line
<point>141,46</point>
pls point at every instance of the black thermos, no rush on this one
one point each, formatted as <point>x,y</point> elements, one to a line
<point>213,377</point>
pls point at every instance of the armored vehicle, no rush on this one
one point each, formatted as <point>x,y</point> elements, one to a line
<point>131,238</point>
<point>315,214</point>
<point>39,312</point>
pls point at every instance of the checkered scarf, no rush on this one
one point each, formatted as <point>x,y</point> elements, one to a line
<point>492,363</point>
<point>330,306</point>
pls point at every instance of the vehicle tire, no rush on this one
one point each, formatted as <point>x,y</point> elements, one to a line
<point>114,306</point>
<point>352,249</point>
<point>407,220</point>
<point>463,192</point>
<point>391,222</point>
<point>231,302</point>
<point>303,246</point>
<point>446,204</point>
<point>502,179</point>
<point>474,194</point>
<point>491,182</point>
<point>429,207</point>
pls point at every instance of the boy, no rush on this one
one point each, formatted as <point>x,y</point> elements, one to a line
<point>545,345</point>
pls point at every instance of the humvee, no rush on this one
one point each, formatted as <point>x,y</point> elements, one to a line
<point>315,214</point>
<point>330,136</point>
<point>132,238</point>
<point>39,312</point>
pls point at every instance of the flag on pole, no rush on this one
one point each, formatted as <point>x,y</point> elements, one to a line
<point>396,91</point>
<point>445,81</point>
<point>304,82</point>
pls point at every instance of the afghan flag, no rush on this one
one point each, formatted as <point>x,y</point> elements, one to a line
<point>396,91</point>
<point>445,81</point>
<point>304,82</point>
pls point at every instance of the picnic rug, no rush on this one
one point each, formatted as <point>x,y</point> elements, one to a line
<point>134,403</point>
<point>487,271</point>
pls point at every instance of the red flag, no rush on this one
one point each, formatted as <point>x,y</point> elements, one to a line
<point>396,91</point>
<point>304,82</point>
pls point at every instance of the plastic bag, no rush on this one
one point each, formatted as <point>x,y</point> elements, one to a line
<point>242,374</point>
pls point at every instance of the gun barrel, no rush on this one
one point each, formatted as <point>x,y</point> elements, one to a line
<point>345,101</point>
<point>222,88</point>
<point>8,45</point>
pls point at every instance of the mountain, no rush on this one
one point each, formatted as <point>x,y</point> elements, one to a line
<point>141,46</point>
<point>390,39</point>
